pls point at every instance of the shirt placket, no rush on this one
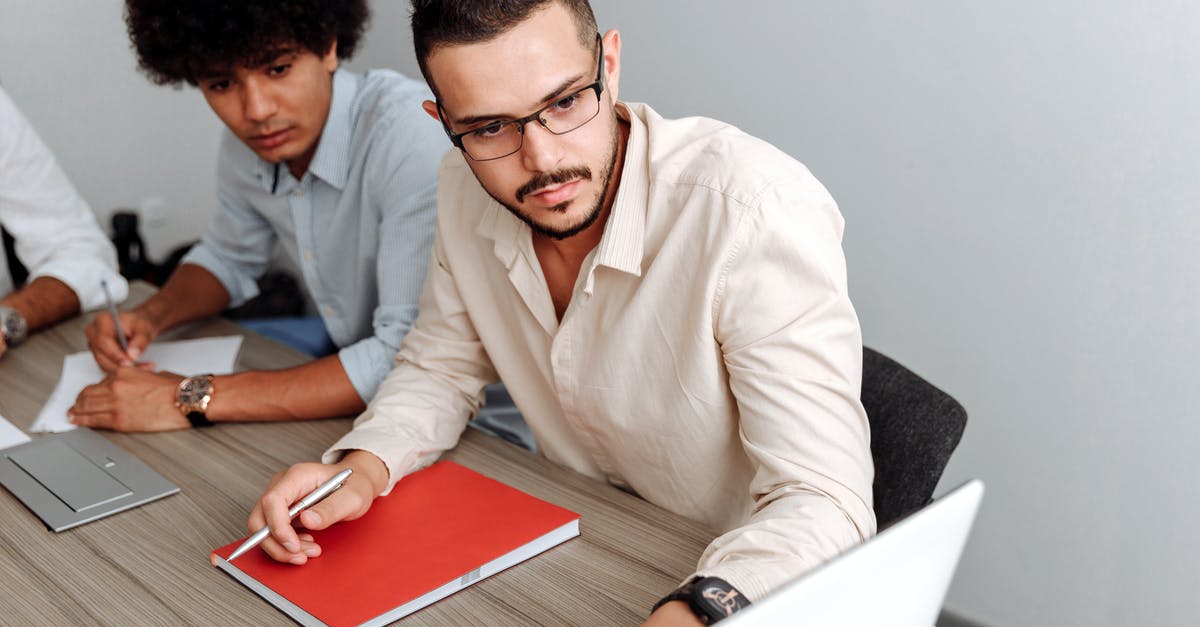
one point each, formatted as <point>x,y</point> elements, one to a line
<point>565,359</point>
<point>300,201</point>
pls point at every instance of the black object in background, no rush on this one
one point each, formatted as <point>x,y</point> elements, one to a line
<point>16,269</point>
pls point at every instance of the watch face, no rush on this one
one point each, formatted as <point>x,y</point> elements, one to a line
<point>718,598</point>
<point>12,325</point>
<point>194,390</point>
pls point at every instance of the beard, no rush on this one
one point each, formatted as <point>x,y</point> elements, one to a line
<point>561,176</point>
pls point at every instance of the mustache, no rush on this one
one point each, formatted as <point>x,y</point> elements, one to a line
<point>546,179</point>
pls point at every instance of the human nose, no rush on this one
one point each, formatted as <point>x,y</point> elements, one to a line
<point>257,103</point>
<point>541,150</point>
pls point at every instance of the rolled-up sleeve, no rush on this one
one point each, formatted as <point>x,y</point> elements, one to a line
<point>424,403</point>
<point>237,247</point>
<point>55,231</point>
<point>793,349</point>
<point>408,153</point>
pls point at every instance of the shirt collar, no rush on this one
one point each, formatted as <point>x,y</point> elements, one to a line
<point>623,243</point>
<point>624,240</point>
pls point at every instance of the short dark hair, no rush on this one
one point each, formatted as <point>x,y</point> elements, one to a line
<point>175,40</point>
<point>456,22</point>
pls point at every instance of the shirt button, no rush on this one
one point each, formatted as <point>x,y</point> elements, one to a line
<point>308,256</point>
<point>299,193</point>
<point>328,310</point>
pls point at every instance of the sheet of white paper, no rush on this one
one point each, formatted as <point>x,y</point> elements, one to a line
<point>10,435</point>
<point>187,357</point>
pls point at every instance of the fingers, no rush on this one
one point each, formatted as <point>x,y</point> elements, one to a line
<point>102,341</point>
<point>95,407</point>
<point>106,346</point>
<point>285,544</point>
<point>350,501</point>
<point>140,333</point>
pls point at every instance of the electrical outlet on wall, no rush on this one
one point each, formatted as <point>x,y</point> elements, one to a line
<point>153,210</point>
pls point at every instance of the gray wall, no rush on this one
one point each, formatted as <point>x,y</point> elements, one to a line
<point>1017,183</point>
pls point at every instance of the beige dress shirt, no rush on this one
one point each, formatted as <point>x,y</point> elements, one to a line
<point>709,360</point>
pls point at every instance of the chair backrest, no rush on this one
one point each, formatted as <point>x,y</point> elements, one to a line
<point>914,430</point>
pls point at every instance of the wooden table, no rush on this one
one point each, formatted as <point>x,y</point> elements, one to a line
<point>151,565</point>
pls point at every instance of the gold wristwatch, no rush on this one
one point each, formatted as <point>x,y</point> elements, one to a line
<point>192,398</point>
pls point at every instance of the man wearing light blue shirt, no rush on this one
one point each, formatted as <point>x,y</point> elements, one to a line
<point>337,170</point>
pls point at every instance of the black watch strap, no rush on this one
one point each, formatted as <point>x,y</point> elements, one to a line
<point>198,419</point>
<point>710,598</point>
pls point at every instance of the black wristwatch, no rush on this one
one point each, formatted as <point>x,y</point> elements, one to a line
<point>710,598</point>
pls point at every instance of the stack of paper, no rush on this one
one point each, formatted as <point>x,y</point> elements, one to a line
<point>10,435</point>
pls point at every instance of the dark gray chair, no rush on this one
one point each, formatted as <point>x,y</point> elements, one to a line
<point>915,427</point>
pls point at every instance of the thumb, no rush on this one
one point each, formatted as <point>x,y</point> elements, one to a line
<point>344,504</point>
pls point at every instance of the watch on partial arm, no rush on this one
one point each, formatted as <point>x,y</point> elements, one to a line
<point>711,599</point>
<point>192,398</point>
<point>13,326</point>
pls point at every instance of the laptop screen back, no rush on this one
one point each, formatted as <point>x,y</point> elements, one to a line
<point>899,578</point>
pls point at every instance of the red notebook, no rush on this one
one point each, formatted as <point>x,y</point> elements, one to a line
<point>438,531</point>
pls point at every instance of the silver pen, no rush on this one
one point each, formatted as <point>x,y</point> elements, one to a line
<point>322,491</point>
<point>112,311</point>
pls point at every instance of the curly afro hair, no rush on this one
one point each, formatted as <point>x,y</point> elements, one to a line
<point>176,40</point>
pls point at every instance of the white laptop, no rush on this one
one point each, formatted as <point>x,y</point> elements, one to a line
<point>899,578</point>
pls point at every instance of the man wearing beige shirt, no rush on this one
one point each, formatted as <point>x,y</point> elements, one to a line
<point>665,299</point>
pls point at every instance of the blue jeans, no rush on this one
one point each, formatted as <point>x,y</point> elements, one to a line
<point>305,334</point>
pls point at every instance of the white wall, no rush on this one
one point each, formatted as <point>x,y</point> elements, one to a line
<point>1019,189</point>
<point>1019,185</point>
<point>121,140</point>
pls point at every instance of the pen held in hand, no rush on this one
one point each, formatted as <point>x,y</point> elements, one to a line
<point>112,311</point>
<point>322,491</point>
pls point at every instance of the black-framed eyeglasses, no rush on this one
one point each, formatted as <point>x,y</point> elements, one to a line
<point>501,139</point>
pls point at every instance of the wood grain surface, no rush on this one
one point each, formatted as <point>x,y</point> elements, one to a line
<point>150,565</point>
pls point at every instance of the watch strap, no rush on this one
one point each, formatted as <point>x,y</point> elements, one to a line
<point>198,419</point>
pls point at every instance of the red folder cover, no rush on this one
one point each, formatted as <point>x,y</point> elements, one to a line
<point>438,531</point>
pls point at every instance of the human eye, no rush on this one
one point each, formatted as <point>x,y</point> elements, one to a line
<point>217,86</point>
<point>565,104</point>
<point>491,131</point>
<point>278,69</point>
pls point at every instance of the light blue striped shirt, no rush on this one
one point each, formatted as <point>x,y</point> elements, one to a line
<point>359,224</point>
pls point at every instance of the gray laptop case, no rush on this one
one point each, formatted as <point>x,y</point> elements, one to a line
<point>78,476</point>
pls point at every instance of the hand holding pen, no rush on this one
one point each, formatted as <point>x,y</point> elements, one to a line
<point>312,498</point>
<point>353,499</point>
<point>118,338</point>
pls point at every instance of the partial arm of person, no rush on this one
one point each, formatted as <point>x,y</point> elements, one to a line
<point>56,234</point>
<point>793,350</point>
<point>420,411</point>
<point>133,398</point>
<point>43,301</point>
